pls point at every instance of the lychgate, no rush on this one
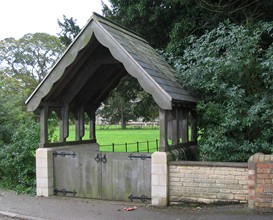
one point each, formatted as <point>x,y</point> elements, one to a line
<point>93,65</point>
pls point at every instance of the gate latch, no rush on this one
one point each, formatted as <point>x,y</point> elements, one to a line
<point>102,159</point>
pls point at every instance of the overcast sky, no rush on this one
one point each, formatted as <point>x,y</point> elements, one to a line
<point>19,17</point>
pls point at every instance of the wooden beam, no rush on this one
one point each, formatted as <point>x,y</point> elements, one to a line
<point>163,123</point>
<point>173,126</point>
<point>73,68</point>
<point>79,82</point>
<point>93,63</point>
<point>63,115</point>
<point>43,126</point>
<point>92,123</point>
<point>94,93</point>
<point>184,125</point>
<point>79,116</point>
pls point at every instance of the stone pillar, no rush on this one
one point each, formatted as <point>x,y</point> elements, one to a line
<point>44,172</point>
<point>160,183</point>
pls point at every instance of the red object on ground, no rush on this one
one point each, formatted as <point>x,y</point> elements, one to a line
<point>130,208</point>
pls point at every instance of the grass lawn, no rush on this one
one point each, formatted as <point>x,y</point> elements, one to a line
<point>106,136</point>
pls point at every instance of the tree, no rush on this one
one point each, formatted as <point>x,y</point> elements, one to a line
<point>29,58</point>
<point>12,94</point>
<point>23,63</point>
<point>128,102</point>
<point>69,30</point>
<point>231,69</point>
<point>166,24</point>
<point>19,137</point>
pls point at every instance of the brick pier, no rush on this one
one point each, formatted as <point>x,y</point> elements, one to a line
<point>260,177</point>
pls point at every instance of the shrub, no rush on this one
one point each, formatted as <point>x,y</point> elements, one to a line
<point>17,160</point>
<point>231,69</point>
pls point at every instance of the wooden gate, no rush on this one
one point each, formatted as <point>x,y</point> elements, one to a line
<point>111,176</point>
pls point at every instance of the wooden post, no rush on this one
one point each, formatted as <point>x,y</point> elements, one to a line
<point>173,126</point>
<point>43,126</point>
<point>184,121</point>
<point>92,124</point>
<point>194,126</point>
<point>79,123</point>
<point>63,115</point>
<point>163,123</point>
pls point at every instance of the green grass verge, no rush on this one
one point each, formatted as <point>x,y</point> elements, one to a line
<point>107,135</point>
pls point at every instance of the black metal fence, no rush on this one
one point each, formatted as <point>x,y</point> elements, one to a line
<point>143,146</point>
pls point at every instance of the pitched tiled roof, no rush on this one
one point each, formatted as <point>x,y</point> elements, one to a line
<point>96,61</point>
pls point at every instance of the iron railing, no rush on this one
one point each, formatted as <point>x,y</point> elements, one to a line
<point>139,146</point>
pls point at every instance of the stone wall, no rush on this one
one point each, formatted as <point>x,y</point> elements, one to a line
<point>261,182</point>
<point>208,182</point>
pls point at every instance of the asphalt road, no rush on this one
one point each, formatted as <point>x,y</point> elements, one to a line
<point>63,208</point>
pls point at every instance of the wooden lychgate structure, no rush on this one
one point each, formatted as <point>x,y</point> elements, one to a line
<point>93,65</point>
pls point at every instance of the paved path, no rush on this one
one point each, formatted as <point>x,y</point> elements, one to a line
<point>63,208</point>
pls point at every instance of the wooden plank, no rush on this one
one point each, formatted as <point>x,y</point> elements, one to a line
<point>173,127</point>
<point>134,176</point>
<point>140,177</point>
<point>121,178</point>
<point>65,112</point>
<point>147,176</point>
<point>128,173</point>
<point>92,123</point>
<point>184,121</point>
<point>69,143</point>
<point>115,179</point>
<point>106,177</point>
<point>79,123</point>
<point>163,119</point>
<point>93,174</point>
<point>63,115</point>
<point>44,125</point>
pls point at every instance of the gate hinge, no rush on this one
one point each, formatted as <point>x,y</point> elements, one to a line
<point>142,198</point>
<point>64,192</point>
<point>142,157</point>
<point>63,154</point>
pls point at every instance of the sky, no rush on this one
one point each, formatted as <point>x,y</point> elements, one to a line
<point>20,17</point>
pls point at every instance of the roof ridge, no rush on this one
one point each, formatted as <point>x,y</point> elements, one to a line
<point>106,21</point>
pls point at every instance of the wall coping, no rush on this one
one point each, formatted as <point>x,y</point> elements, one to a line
<point>209,164</point>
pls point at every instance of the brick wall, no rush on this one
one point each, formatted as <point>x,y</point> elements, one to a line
<point>208,182</point>
<point>261,182</point>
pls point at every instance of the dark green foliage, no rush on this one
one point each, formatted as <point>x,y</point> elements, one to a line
<point>17,160</point>
<point>155,20</point>
<point>69,30</point>
<point>230,69</point>
<point>19,137</point>
<point>166,24</point>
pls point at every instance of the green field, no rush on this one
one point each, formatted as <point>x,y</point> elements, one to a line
<point>107,136</point>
